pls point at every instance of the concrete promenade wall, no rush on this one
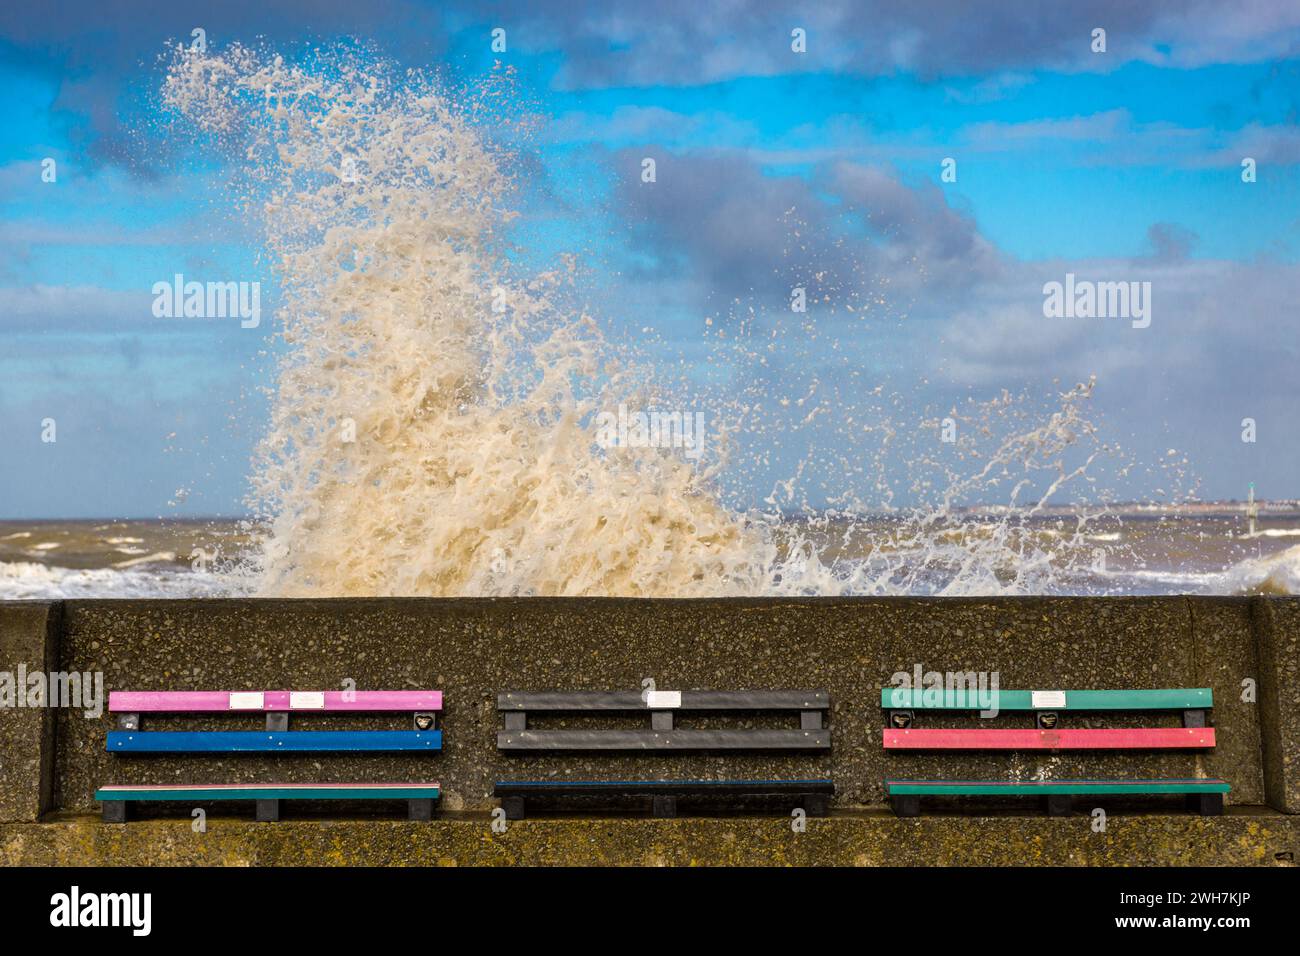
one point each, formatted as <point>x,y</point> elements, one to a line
<point>847,838</point>
<point>472,648</point>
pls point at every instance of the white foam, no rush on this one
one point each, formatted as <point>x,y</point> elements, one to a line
<point>157,557</point>
<point>29,581</point>
<point>1274,574</point>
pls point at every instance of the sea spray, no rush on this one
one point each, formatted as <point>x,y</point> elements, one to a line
<point>474,468</point>
<point>433,424</point>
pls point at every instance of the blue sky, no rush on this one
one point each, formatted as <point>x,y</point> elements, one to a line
<point>1116,166</point>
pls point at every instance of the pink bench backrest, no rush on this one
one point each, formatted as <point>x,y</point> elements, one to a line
<point>196,701</point>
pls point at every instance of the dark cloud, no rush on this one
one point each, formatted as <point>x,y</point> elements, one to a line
<point>632,43</point>
<point>847,230</point>
<point>917,222</point>
<point>721,218</point>
<point>96,50</point>
<point>97,53</point>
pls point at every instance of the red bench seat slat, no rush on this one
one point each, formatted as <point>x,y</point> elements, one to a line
<point>1109,738</point>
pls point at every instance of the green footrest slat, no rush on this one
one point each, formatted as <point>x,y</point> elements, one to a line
<point>116,799</point>
<point>898,788</point>
<point>313,791</point>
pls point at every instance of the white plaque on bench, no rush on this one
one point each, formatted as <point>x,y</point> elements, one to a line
<point>663,699</point>
<point>307,700</point>
<point>1046,699</point>
<point>247,700</point>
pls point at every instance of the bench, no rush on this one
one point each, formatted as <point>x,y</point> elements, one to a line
<point>1204,796</point>
<point>663,733</point>
<point>1051,710</point>
<point>813,796</point>
<point>267,796</point>
<point>277,705</point>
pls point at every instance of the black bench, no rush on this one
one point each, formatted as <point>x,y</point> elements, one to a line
<point>664,734</point>
<point>812,796</point>
<point>1200,795</point>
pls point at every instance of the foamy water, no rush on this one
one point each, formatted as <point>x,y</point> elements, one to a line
<point>26,581</point>
<point>1171,555</point>
<point>434,429</point>
<point>473,469</point>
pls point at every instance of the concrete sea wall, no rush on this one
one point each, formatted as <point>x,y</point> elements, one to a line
<point>52,760</point>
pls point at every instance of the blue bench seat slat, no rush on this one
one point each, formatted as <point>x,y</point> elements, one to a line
<point>267,741</point>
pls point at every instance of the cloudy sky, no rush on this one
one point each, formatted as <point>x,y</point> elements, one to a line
<point>775,168</point>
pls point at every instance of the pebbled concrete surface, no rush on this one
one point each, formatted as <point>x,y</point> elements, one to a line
<point>472,648</point>
<point>51,762</point>
<point>28,645</point>
<point>1277,626</point>
<point>1244,837</point>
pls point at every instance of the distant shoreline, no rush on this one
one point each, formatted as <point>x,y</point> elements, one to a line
<point>1281,508</point>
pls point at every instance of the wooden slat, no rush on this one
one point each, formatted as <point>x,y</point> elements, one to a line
<point>681,787</point>
<point>664,740</point>
<point>255,741</point>
<point>207,701</point>
<point>1033,787</point>
<point>273,791</point>
<point>914,698</point>
<point>1117,738</point>
<point>589,700</point>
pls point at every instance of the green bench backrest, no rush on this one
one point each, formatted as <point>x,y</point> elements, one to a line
<point>963,698</point>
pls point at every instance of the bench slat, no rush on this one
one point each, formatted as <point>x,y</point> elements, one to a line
<point>206,701</point>
<point>915,698</point>
<point>1117,738</point>
<point>632,700</point>
<point>1031,787</point>
<point>539,787</point>
<point>664,740</point>
<point>261,741</point>
<point>272,791</point>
